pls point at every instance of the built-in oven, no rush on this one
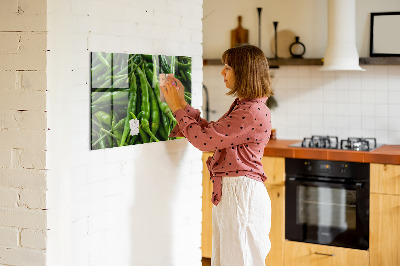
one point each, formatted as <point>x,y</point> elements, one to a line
<point>327,202</point>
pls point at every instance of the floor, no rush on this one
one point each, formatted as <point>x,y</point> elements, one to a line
<point>206,261</point>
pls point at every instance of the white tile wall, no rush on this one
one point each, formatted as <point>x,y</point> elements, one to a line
<point>312,102</point>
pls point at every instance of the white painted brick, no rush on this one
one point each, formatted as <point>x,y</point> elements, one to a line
<point>23,218</point>
<point>7,79</point>
<point>34,120</point>
<point>33,199</point>
<point>23,22</point>
<point>8,6</point>
<point>5,158</point>
<point>9,42</point>
<point>36,7</point>
<point>30,80</point>
<point>22,100</point>
<point>33,42</point>
<point>23,139</point>
<point>23,178</point>
<point>33,239</point>
<point>29,61</point>
<point>33,159</point>
<point>17,256</point>
<point>8,197</point>
<point>9,237</point>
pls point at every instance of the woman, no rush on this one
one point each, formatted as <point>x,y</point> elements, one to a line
<point>242,208</point>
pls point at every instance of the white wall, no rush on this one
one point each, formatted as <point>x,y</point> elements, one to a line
<point>23,133</point>
<point>137,205</point>
<point>306,19</point>
<point>311,102</point>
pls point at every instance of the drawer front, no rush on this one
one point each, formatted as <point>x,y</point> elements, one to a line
<point>297,254</point>
<point>385,178</point>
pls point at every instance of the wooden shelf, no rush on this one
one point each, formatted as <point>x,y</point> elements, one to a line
<point>274,63</point>
<point>380,61</point>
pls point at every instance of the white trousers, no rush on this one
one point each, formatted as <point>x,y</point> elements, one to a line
<point>241,223</point>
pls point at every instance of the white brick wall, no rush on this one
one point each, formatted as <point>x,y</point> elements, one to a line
<point>23,132</point>
<point>137,205</point>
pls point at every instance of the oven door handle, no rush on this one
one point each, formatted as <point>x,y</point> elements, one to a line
<point>357,185</point>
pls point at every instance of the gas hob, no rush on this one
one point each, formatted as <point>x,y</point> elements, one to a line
<point>332,142</point>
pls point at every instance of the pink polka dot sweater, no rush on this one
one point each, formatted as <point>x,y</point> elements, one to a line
<point>238,139</point>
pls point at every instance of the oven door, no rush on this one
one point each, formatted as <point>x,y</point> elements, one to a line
<point>327,213</point>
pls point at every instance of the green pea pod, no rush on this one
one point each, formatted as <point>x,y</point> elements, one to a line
<point>155,111</point>
<point>149,73</point>
<point>102,142</point>
<point>111,135</point>
<point>182,66</point>
<point>144,123</point>
<point>145,106</point>
<point>148,57</point>
<point>163,134</point>
<point>124,71</point>
<point>97,70</point>
<point>100,80</point>
<point>164,64</point>
<point>118,128</point>
<point>121,83</point>
<point>103,60</point>
<point>135,59</point>
<point>103,117</point>
<point>154,78</point>
<point>131,107</point>
<point>165,108</point>
<point>107,97</point>
<point>105,120</point>
<point>173,60</point>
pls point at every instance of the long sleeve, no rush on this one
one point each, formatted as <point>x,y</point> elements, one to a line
<point>193,113</point>
<point>238,140</point>
<point>231,130</point>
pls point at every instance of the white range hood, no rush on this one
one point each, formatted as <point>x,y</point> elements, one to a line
<point>341,51</point>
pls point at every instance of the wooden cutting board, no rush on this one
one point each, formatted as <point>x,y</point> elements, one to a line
<point>239,35</point>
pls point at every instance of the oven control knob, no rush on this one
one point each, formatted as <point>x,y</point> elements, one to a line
<point>308,166</point>
<point>343,168</point>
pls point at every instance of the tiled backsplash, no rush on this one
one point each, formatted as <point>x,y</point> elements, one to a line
<point>313,102</point>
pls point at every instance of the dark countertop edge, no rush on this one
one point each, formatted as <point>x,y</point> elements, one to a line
<point>386,154</point>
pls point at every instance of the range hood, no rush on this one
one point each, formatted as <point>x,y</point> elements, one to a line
<point>341,51</point>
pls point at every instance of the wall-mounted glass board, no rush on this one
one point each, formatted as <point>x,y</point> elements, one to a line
<point>126,105</point>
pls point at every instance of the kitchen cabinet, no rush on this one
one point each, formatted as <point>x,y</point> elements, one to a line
<point>385,215</point>
<point>274,168</point>
<point>206,226</point>
<point>305,254</point>
<point>385,178</point>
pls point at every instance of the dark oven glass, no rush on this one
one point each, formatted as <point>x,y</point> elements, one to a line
<point>328,208</point>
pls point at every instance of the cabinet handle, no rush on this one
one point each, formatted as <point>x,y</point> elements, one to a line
<point>324,254</point>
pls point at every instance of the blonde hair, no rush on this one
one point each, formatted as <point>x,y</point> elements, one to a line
<point>250,66</point>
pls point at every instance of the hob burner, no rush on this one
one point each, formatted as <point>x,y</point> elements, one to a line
<point>332,142</point>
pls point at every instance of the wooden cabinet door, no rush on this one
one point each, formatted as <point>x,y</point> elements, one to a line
<point>385,178</point>
<point>206,232</point>
<point>384,236</point>
<point>277,233</point>
<point>274,168</point>
<point>304,254</point>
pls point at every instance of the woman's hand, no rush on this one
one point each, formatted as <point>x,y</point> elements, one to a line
<point>174,94</point>
<point>181,90</point>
